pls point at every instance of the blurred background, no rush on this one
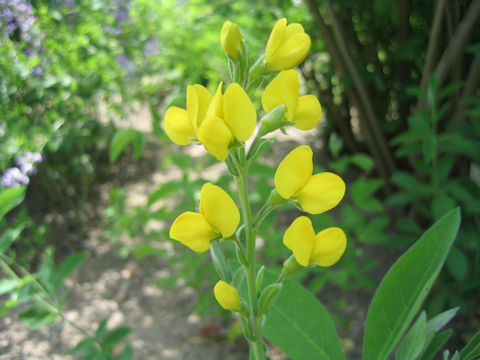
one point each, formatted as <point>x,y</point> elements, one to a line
<point>84,85</point>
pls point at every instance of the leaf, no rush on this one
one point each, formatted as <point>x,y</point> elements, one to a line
<point>408,182</point>
<point>363,161</point>
<point>438,322</point>
<point>115,336</point>
<point>472,349</point>
<point>164,190</point>
<point>38,316</point>
<point>437,342</point>
<point>7,285</point>
<point>414,341</point>
<point>9,237</point>
<point>9,198</point>
<point>122,139</point>
<point>300,326</point>
<point>458,264</point>
<point>403,289</point>
<point>67,267</point>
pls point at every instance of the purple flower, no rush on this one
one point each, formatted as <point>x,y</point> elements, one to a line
<point>125,63</point>
<point>37,71</point>
<point>13,177</point>
<point>27,161</point>
<point>151,47</point>
<point>17,22</point>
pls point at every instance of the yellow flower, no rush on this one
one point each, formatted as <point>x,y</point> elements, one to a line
<point>304,111</point>
<point>181,125</point>
<point>287,46</point>
<point>227,296</point>
<point>315,193</point>
<point>215,121</point>
<point>323,249</point>
<point>231,39</point>
<point>218,217</point>
<point>229,115</point>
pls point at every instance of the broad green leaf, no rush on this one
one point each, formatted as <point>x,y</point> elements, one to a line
<point>403,289</point>
<point>300,326</point>
<point>9,198</point>
<point>122,139</point>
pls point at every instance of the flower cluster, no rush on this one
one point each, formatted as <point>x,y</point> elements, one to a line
<point>18,176</point>
<point>17,22</point>
<point>222,122</point>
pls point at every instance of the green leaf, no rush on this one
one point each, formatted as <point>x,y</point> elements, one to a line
<point>403,289</point>
<point>408,182</point>
<point>164,190</point>
<point>268,297</point>
<point>9,237</point>
<point>472,349</point>
<point>414,341</point>
<point>115,336</point>
<point>7,285</point>
<point>38,316</point>
<point>439,321</point>
<point>363,161</point>
<point>300,326</point>
<point>437,342</point>
<point>122,139</point>
<point>9,198</point>
<point>458,264</point>
<point>67,267</point>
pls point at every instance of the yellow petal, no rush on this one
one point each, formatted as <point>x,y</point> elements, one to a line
<point>216,105</point>
<point>275,39</point>
<point>290,53</point>
<point>239,112</point>
<point>231,39</point>
<point>193,230</point>
<point>322,192</point>
<point>227,296</point>
<point>293,29</point>
<point>178,126</point>
<point>300,238</point>
<point>215,136</point>
<point>330,245</point>
<point>219,209</point>
<point>308,112</point>
<point>283,89</point>
<point>198,99</point>
<point>294,171</point>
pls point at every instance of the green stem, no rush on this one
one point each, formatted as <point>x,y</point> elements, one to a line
<point>49,303</point>
<point>250,233</point>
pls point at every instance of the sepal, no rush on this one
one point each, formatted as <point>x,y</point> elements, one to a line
<point>220,262</point>
<point>268,297</point>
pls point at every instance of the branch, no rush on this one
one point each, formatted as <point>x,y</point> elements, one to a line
<point>458,41</point>
<point>361,90</point>
<point>338,64</point>
<point>433,43</point>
